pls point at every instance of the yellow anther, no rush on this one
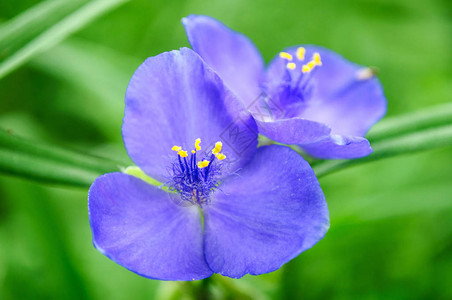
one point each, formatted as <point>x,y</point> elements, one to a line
<point>197,142</point>
<point>182,153</point>
<point>285,55</point>
<point>300,53</point>
<point>193,151</point>
<point>221,156</point>
<point>316,58</point>
<point>203,164</point>
<point>311,64</point>
<point>305,69</point>
<point>291,66</point>
<point>176,148</point>
<point>217,149</point>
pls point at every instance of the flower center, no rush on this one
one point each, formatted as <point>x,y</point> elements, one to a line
<point>298,88</point>
<point>194,180</point>
<point>300,54</point>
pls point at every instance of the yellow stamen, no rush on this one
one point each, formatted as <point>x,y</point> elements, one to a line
<point>203,164</point>
<point>316,58</point>
<point>197,142</point>
<point>285,55</point>
<point>300,53</point>
<point>193,151</point>
<point>306,69</point>
<point>291,66</point>
<point>311,64</point>
<point>217,149</point>
<point>182,153</point>
<point>221,156</point>
<point>176,148</point>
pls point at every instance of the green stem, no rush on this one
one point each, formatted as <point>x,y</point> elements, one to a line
<point>423,140</point>
<point>411,122</point>
<point>204,292</point>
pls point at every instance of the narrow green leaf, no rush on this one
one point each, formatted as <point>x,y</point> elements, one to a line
<point>405,144</point>
<point>58,32</point>
<point>96,70</point>
<point>55,165</point>
<point>44,170</point>
<point>411,122</point>
<point>22,28</point>
<point>57,154</point>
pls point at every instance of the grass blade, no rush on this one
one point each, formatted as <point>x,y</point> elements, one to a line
<point>58,32</point>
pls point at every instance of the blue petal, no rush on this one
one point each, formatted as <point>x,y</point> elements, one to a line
<point>137,226</point>
<point>231,54</point>
<point>294,130</point>
<point>339,147</point>
<point>267,214</point>
<point>175,98</point>
<point>337,96</point>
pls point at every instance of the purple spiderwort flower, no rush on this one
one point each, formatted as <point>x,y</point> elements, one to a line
<point>308,95</point>
<point>261,207</point>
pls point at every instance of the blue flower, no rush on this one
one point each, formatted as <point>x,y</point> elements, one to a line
<point>308,95</point>
<point>182,126</point>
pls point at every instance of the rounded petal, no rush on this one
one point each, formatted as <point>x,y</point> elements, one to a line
<point>339,147</point>
<point>231,54</point>
<point>346,96</point>
<point>137,226</point>
<point>294,131</point>
<point>268,214</point>
<point>175,98</point>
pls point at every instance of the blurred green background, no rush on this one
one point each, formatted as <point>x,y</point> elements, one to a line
<point>391,221</point>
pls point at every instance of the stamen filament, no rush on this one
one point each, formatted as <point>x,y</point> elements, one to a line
<point>189,181</point>
<point>181,165</point>
<point>188,170</point>
<point>212,157</point>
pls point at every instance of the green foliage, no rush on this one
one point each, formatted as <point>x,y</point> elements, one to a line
<point>64,67</point>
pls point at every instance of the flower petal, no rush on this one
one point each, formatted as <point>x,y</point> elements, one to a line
<point>294,130</point>
<point>339,147</point>
<point>268,214</point>
<point>344,95</point>
<point>175,98</point>
<point>231,54</point>
<point>137,226</point>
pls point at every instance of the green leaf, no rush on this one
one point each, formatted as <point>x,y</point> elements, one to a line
<point>57,33</point>
<point>57,165</point>
<point>94,69</point>
<point>385,148</point>
<point>18,31</point>
<point>44,170</point>
<point>52,153</point>
<point>412,122</point>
